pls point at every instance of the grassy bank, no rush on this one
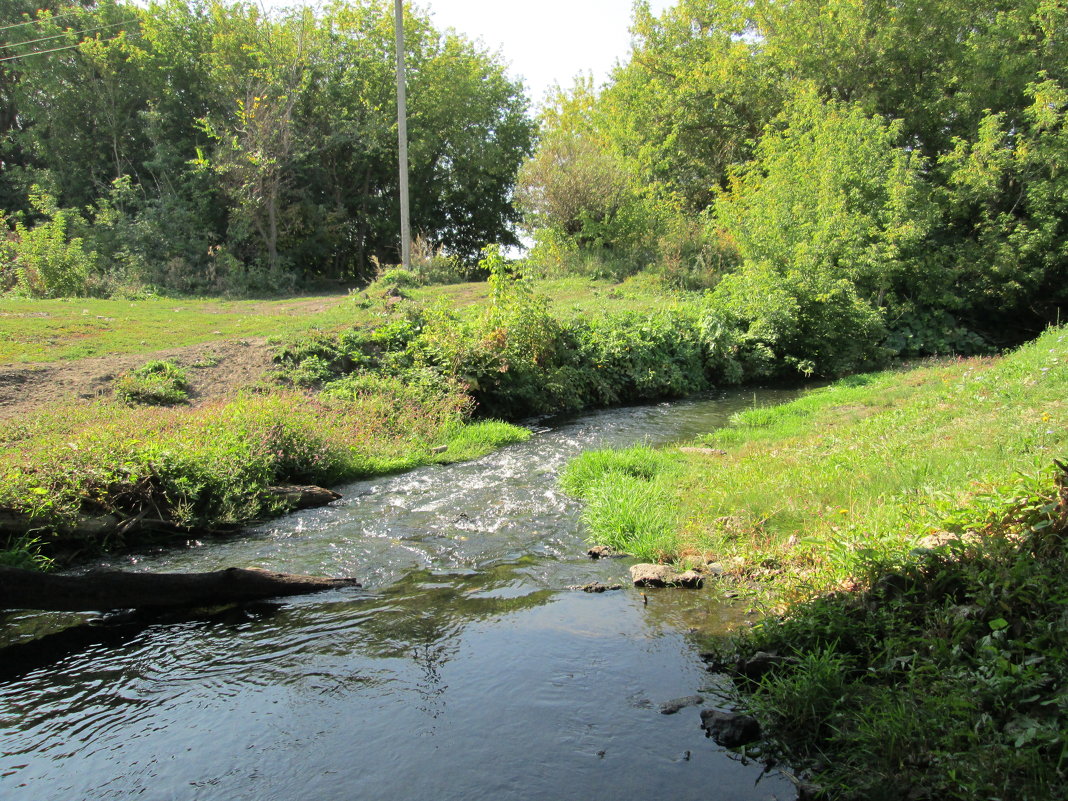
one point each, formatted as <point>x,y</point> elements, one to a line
<point>99,477</point>
<point>34,330</point>
<point>924,513</point>
<point>810,492</point>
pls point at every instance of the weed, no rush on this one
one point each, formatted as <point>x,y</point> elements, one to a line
<point>156,383</point>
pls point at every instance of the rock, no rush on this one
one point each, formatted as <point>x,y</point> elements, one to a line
<point>304,497</point>
<point>704,451</point>
<point>649,575</point>
<point>752,668</point>
<point>595,586</point>
<point>673,706</point>
<point>690,579</point>
<point>603,552</point>
<point>730,729</point>
<point>758,664</point>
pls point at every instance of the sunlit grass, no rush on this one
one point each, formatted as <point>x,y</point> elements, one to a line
<point>812,491</point>
<point>213,465</point>
<point>33,330</point>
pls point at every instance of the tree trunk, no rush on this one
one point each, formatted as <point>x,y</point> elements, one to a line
<point>113,589</point>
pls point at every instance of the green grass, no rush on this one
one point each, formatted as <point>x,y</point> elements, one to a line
<point>34,330</point>
<point>632,515</point>
<point>156,383</point>
<point>812,491</point>
<point>56,330</point>
<point>629,500</point>
<point>468,441</point>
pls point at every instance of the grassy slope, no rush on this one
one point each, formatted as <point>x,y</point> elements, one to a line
<point>811,490</point>
<point>56,330</point>
<point>925,673</point>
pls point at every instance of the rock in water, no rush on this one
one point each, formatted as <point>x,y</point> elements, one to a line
<point>730,729</point>
<point>595,586</point>
<point>304,497</point>
<point>673,706</point>
<point>603,552</point>
<point>649,575</point>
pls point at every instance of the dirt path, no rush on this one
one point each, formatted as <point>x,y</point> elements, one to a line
<point>24,388</point>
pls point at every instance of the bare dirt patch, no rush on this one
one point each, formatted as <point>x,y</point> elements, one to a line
<point>216,370</point>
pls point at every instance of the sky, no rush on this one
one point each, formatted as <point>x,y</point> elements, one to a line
<point>545,41</point>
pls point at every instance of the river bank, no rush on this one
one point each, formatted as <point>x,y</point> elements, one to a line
<point>907,531</point>
<point>399,386</point>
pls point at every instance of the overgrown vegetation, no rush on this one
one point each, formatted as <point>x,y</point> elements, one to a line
<point>908,527</point>
<point>212,468</point>
<point>155,383</point>
<point>847,178</point>
<point>945,677</point>
<point>191,147</point>
<point>515,354</point>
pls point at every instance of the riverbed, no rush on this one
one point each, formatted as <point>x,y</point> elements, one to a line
<point>464,668</point>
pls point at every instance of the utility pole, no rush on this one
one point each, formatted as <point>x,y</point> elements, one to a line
<point>402,139</point>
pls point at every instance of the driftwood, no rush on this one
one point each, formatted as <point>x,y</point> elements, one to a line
<point>99,526</point>
<point>113,589</point>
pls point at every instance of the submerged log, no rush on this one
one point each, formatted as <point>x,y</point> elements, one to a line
<point>115,589</point>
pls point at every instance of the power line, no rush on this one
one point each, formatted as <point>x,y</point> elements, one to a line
<point>53,50</point>
<point>39,20</point>
<point>65,34</point>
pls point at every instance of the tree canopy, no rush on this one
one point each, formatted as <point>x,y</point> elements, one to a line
<point>906,153</point>
<point>203,146</point>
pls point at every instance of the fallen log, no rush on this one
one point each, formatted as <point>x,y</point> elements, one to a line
<point>115,589</point>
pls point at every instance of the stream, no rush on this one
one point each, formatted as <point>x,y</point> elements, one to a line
<point>463,669</point>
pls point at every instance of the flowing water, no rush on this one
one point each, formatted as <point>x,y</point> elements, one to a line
<point>463,669</point>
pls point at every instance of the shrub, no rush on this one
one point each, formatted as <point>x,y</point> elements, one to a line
<point>760,322</point>
<point>49,260</point>
<point>157,383</point>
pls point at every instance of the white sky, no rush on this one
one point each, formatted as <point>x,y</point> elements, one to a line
<point>545,41</point>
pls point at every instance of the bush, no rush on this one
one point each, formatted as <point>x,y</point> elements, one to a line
<point>49,260</point>
<point>760,322</point>
<point>157,383</point>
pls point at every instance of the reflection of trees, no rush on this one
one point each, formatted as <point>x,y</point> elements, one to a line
<point>423,614</point>
<point>425,609</point>
<point>420,616</point>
